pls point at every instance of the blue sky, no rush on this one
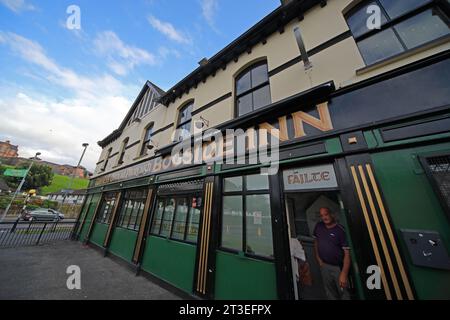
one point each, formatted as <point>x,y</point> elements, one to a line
<point>60,87</point>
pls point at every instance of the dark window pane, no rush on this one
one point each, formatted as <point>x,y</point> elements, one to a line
<point>259,225</point>
<point>158,217</point>
<point>232,184</point>
<point>243,83</point>
<point>357,21</point>
<point>259,75</point>
<point>167,218</point>
<point>422,28</point>
<point>179,224</point>
<point>194,220</point>
<point>244,104</point>
<point>261,97</point>
<point>257,182</point>
<point>380,46</point>
<point>232,223</point>
<point>396,8</point>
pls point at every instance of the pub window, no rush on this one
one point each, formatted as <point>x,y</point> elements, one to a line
<point>438,170</point>
<point>132,208</point>
<point>122,151</point>
<point>252,89</point>
<point>405,25</point>
<point>147,139</point>
<point>184,122</point>
<point>106,208</point>
<point>250,233</point>
<point>177,218</point>
<point>108,154</point>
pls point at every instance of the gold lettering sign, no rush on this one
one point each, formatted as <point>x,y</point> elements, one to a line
<point>226,146</point>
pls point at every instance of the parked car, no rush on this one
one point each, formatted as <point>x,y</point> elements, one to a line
<point>43,215</point>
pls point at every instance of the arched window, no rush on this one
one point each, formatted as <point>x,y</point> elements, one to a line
<point>147,139</point>
<point>122,151</point>
<point>252,89</point>
<point>108,154</point>
<point>404,25</point>
<point>184,121</point>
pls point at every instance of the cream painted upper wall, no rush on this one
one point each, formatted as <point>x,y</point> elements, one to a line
<point>339,62</point>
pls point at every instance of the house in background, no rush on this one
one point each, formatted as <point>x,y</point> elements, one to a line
<point>8,150</point>
<point>71,196</point>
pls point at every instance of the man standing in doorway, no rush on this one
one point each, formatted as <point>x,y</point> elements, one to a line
<point>333,255</point>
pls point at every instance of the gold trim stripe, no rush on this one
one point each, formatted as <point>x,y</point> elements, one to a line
<point>390,233</point>
<point>371,234</point>
<point>203,257</point>
<point>384,246</point>
<point>208,228</point>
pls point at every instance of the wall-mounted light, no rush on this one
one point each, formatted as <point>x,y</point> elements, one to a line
<point>152,145</point>
<point>302,48</point>
<point>201,123</point>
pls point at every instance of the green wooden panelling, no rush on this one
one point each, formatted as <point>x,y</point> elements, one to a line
<point>414,205</point>
<point>99,233</point>
<point>333,146</point>
<point>238,277</point>
<point>171,261</point>
<point>122,243</point>
<point>94,201</point>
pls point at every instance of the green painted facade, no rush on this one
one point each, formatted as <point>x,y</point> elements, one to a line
<point>239,277</point>
<point>413,204</point>
<point>122,243</point>
<point>98,233</point>
<point>90,208</point>
<point>171,261</point>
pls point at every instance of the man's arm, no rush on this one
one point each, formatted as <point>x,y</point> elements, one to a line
<point>343,277</point>
<point>316,253</point>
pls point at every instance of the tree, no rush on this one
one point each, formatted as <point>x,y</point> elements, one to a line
<point>38,177</point>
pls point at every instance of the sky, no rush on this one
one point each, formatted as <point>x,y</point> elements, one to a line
<point>62,85</point>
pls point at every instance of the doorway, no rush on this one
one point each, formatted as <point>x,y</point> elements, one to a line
<point>308,193</point>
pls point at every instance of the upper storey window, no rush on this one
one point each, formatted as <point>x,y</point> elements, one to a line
<point>404,25</point>
<point>252,89</point>
<point>184,122</point>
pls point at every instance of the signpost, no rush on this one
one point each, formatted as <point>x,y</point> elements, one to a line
<point>17,173</point>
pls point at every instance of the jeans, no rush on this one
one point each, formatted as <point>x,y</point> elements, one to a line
<point>330,276</point>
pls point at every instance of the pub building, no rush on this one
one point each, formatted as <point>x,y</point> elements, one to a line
<point>363,116</point>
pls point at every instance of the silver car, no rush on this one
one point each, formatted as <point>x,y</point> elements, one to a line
<point>43,215</point>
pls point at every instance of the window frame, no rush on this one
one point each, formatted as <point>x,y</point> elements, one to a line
<point>146,140</point>
<point>252,89</point>
<point>108,155</point>
<point>243,194</point>
<point>123,150</point>
<point>176,197</point>
<point>133,199</point>
<point>391,23</point>
<point>180,124</point>
<point>111,204</point>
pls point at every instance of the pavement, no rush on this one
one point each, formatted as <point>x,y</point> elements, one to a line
<point>39,273</point>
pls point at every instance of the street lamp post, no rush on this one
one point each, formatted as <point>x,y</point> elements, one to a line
<point>20,186</point>
<point>85,145</point>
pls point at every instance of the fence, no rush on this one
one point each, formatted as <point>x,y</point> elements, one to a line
<point>16,234</point>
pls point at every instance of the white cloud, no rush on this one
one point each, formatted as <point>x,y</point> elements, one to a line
<point>33,53</point>
<point>209,9</point>
<point>121,57</point>
<point>165,52</point>
<point>17,5</point>
<point>169,30</point>
<point>55,127</point>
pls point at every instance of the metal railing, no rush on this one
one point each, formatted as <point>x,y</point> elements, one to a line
<point>18,234</point>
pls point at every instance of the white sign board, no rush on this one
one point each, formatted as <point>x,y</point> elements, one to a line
<point>317,177</point>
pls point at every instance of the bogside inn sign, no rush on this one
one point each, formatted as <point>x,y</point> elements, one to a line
<point>308,178</point>
<point>390,99</point>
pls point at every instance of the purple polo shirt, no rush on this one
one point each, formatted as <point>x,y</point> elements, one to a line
<point>331,243</point>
